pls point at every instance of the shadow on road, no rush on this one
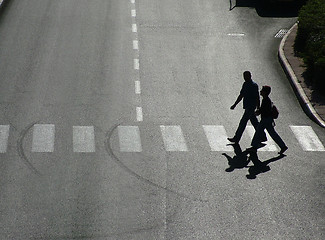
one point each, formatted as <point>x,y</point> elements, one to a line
<point>260,167</point>
<point>266,9</point>
<point>242,159</point>
<point>4,8</point>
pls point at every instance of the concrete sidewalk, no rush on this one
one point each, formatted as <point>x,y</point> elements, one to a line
<point>312,103</point>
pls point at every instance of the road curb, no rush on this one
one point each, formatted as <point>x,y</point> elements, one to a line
<point>300,93</point>
<point>2,3</point>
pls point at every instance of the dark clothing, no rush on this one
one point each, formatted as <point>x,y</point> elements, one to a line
<point>267,122</point>
<point>250,94</point>
<point>249,114</point>
<point>266,108</point>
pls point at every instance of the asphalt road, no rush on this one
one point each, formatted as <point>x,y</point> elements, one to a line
<point>113,118</point>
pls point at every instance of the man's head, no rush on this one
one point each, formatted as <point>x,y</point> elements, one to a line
<point>247,76</point>
<point>265,91</point>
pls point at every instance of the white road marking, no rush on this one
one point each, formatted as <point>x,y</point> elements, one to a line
<point>83,139</point>
<point>217,138</point>
<point>137,87</point>
<point>134,28</point>
<point>281,33</point>
<point>236,34</point>
<point>4,135</point>
<point>136,64</point>
<point>133,1</point>
<point>270,144</point>
<point>173,138</point>
<point>135,44</point>
<point>133,13</point>
<point>139,114</point>
<point>307,138</point>
<point>129,139</point>
<point>43,138</point>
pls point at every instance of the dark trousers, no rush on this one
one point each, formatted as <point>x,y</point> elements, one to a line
<point>249,114</point>
<point>267,123</point>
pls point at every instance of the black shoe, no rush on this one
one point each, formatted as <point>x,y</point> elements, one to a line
<point>260,145</point>
<point>234,140</point>
<point>264,139</point>
<point>283,150</point>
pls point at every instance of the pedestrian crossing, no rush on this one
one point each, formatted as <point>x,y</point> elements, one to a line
<point>83,139</point>
<point>173,138</point>
<point>217,143</point>
<point>307,138</point>
<point>129,138</point>
<point>43,138</point>
<point>270,144</point>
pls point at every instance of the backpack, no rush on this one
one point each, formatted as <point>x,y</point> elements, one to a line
<point>274,112</point>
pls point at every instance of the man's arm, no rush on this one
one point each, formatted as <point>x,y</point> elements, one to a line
<point>239,98</point>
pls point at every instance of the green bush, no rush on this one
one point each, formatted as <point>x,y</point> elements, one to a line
<point>310,40</point>
<point>319,74</point>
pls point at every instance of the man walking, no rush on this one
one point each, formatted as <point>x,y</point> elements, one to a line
<point>251,101</point>
<point>267,122</point>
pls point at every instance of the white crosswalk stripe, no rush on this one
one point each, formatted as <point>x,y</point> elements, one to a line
<point>129,139</point>
<point>83,139</point>
<point>270,144</point>
<point>4,135</point>
<point>43,138</point>
<point>307,138</point>
<point>217,138</point>
<point>173,138</point>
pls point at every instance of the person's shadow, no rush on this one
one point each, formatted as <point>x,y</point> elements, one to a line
<point>240,160</point>
<point>260,167</point>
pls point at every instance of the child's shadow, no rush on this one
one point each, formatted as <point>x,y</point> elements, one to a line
<point>240,160</point>
<point>260,167</point>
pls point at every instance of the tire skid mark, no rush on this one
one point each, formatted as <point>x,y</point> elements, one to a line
<point>139,177</point>
<point>21,151</point>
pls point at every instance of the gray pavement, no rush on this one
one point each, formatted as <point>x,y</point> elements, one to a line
<point>79,160</point>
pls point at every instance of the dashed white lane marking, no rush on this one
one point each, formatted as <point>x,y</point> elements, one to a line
<point>43,138</point>
<point>270,144</point>
<point>83,139</point>
<point>135,44</point>
<point>217,138</point>
<point>133,13</point>
<point>129,138</point>
<point>134,28</point>
<point>4,135</point>
<point>139,114</point>
<point>307,138</point>
<point>137,87</point>
<point>136,64</point>
<point>173,138</point>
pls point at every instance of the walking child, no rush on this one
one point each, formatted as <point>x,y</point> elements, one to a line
<point>267,122</point>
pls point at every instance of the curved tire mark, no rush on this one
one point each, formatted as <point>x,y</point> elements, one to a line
<point>21,151</point>
<point>131,172</point>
